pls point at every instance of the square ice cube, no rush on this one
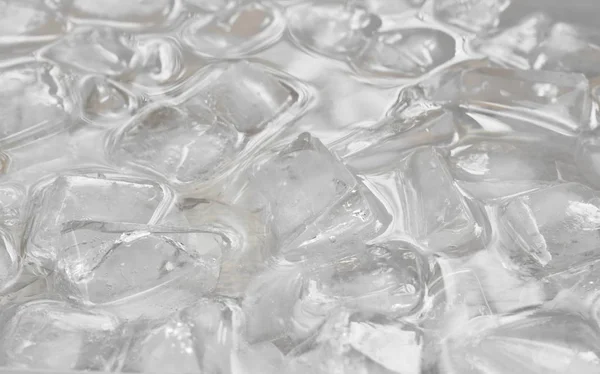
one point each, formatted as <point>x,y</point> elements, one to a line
<point>110,198</point>
<point>51,335</point>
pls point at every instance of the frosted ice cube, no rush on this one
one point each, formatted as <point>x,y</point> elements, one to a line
<point>234,32</point>
<point>105,100</point>
<point>433,209</point>
<point>301,183</point>
<point>34,102</point>
<point>132,13</point>
<point>102,50</point>
<point>28,21</point>
<point>179,144</point>
<point>405,53</point>
<point>347,343</point>
<point>478,16</point>
<point>54,336</point>
<point>561,101</point>
<point>336,30</point>
<point>109,198</point>
<point>526,342</point>
<point>551,230</point>
<point>102,263</point>
<point>384,279</point>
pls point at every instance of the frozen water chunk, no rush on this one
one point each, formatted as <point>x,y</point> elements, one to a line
<point>102,263</point>
<point>208,5</point>
<point>9,260</point>
<point>247,97</point>
<point>335,30</point>
<point>101,50</point>
<point>347,343</point>
<point>561,101</point>
<point>88,198</point>
<point>569,48</point>
<point>234,32</point>
<point>498,168</point>
<point>206,337</point>
<point>105,100</point>
<point>182,145</point>
<point>405,53</point>
<point>515,45</point>
<point>54,336</point>
<point>587,157</point>
<point>384,279</point>
<point>302,183</point>
<point>28,21</point>
<point>527,342</point>
<point>551,230</point>
<point>132,13</point>
<point>393,7</point>
<point>434,211</point>
<point>476,16</point>
<point>12,198</point>
<point>34,102</point>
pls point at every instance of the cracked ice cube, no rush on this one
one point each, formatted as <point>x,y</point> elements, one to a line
<point>551,230</point>
<point>51,335</point>
<point>434,210</point>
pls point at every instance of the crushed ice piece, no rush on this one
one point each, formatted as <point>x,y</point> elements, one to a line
<point>477,16</point>
<point>9,261</point>
<point>105,100</point>
<point>234,31</point>
<point>434,211</point>
<point>550,230</point>
<point>28,21</point>
<point>51,335</point>
<point>131,13</point>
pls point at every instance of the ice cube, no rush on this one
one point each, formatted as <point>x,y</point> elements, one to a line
<point>526,342</point>
<point>337,30</point>
<point>34,102</point>
<point>383,279</point>
<point>182,145</point>
<point>12,199</point>
<point>235,32</point>
<point>587,156</point>
<point>515,46</point>
<point>208,5</point>
<point>301,183</point>
<point>499,168</point>
<point>52,335</point>
<point>405,53</point>
<point>347,343</point>
<point>28,21</point>
<point>109,198</point>
<point>551,230</point>
<point>560,101</point>
<point>392,7</point>
<point>133,13</point>
<point>477,16</point>
<point>434,211</point>
<point>247,97</point>
<point>101,263</point>
<point>102,50</point>
<point>9,260</point>
<point>105,100</point>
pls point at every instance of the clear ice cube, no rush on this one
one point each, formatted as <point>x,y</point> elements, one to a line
<point>180,144</point>
<point>132,13</point>
<point>434,211</point>
<point>337,30</point>
<point>9,260</point>
<point>235,32</point>
<point>51,335</point>
<point>532,342</point>
<point>347,343</point>
<point>551,230</point>
<point>34,102</point>
<point>478,16</point>
<point>561,101</point>
<point>299,184</point>
<point>101,198</point>
<point>28,21</point>
<point>383,279</point>
<point>105,100</point>
<point>405,53</point>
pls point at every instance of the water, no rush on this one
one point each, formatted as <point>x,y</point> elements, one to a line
<point>295,186</point>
